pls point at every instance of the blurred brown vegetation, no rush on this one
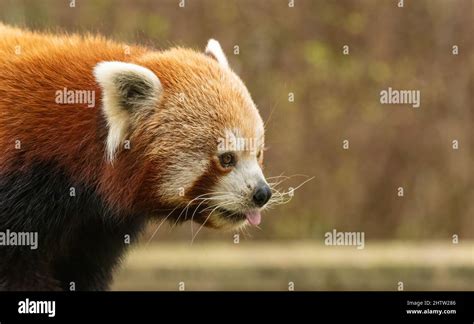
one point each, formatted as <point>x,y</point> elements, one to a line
<point>308,265</point>
<point>299,50</point>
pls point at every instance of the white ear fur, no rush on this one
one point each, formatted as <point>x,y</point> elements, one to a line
<point>112,78</point>
<point>214,49</point>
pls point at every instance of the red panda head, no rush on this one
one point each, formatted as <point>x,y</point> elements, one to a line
<point>198,130</point>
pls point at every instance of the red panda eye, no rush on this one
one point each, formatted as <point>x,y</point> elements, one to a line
<point>227,159</point>
<point>259,154</point>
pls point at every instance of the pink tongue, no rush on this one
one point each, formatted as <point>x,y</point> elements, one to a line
<point>254,217</point>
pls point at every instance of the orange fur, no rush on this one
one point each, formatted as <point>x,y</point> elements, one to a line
<point>73,135</point>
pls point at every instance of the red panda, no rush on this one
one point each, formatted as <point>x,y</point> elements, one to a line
<point>97,138</point>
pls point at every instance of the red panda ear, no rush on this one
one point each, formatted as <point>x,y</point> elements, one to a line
<point>214,50</point>
<point>127,89</point>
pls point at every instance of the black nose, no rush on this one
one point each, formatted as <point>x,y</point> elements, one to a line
<point>262,195</point>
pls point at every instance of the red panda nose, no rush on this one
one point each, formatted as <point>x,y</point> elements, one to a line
<point>262,195</point>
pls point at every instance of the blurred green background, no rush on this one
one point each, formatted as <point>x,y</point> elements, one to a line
<point>299,50</point>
